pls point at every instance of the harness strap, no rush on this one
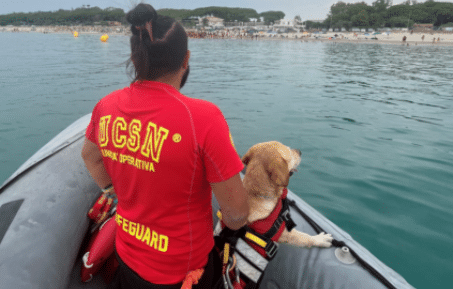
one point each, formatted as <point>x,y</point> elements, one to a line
<point>283,217</point>
<point>261,244</point>
<point>267,239</point>
<point>226,257</point>
<point>270,247</point>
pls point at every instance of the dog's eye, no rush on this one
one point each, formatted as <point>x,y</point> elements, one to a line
<point>291,173</point>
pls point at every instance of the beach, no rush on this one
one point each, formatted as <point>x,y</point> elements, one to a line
<point>394,37</point>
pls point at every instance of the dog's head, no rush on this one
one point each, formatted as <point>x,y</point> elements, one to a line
<point>271,163</point>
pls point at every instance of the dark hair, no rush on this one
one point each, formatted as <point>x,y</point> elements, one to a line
<point>161,52</point>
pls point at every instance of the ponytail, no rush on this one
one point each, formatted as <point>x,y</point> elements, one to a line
<point>158,43</point>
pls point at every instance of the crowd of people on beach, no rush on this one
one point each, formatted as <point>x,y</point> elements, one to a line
<point>221,34</point>
<point>409,37</point>
<point>404,40</point>
<point>308,36</point>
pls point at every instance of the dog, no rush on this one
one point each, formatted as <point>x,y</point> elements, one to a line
<point>269,167</point>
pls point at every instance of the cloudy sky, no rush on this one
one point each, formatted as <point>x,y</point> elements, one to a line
<point>307,9</point>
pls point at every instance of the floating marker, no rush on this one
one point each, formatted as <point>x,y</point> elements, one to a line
<point>76,34</point>
<point>104,38</point>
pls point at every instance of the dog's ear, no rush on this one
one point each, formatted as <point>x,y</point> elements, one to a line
<point>279,172</point>
<point>246,158</point>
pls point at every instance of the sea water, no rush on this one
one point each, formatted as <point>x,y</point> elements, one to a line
<point>374,124</point>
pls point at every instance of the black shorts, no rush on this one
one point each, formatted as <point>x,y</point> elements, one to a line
<point>126,278</point>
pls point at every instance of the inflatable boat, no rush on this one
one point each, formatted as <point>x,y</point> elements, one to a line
<point>43,224</point>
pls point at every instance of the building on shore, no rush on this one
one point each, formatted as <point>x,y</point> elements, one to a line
<point>114,23</point>
<point>288,25</point>
<point>423,27</point>
<point>211,21</point>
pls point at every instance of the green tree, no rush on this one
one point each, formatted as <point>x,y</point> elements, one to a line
<point>430,3</point>
<point>444,14</point>
<point>376,20</point>
<point>178,14</point>
<point>400,22</point>
<point>64,17</point>
<point>381,6</point>
<point>362,19</point>
<point>227,14</point>
<point>313,25</point>
<point>272,16</point>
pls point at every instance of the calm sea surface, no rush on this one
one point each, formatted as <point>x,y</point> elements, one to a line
<point>374,124</point>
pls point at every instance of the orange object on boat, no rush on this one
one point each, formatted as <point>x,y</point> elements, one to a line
<point>192,278</point>
<point>101,209</point>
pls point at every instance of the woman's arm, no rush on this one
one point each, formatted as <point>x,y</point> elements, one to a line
<point>233,202</point>
<point>93,161</point>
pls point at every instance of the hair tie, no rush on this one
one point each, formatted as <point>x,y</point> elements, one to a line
<point>149,27</point>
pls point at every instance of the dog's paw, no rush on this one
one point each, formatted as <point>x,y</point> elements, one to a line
<point>323,240</point>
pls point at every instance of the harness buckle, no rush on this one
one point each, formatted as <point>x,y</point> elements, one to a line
<point>271,249</point>
<point>286,216</point>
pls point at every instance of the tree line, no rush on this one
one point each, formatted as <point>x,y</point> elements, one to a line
<point>79,16</point>
<point>225,13</point>
<point>91,15</point>
<point>380,14</point>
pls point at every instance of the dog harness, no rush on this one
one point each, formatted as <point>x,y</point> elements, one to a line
<point>259,247</point>
<point>263,234</point>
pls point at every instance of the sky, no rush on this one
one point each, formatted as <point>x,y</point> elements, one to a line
<point>306,9</point>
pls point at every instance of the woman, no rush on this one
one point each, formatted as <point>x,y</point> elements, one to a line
<point>163,153</point>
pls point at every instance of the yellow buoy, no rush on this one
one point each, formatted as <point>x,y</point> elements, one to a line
<point>104,38</point>
<point>76,34</point>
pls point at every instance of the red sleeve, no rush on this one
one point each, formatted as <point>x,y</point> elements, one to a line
<point>90,132</point>
<point>218,152</point>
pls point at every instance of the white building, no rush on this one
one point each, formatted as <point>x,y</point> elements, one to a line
<point>288,24</point>
<point>212,21</point>
<point>285,23</point>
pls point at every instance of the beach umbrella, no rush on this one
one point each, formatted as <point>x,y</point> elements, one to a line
<point>367,34</point>
<point>376,33</point>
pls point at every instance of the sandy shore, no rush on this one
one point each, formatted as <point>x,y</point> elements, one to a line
<point>349,37</point>
<point>395,37</point>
